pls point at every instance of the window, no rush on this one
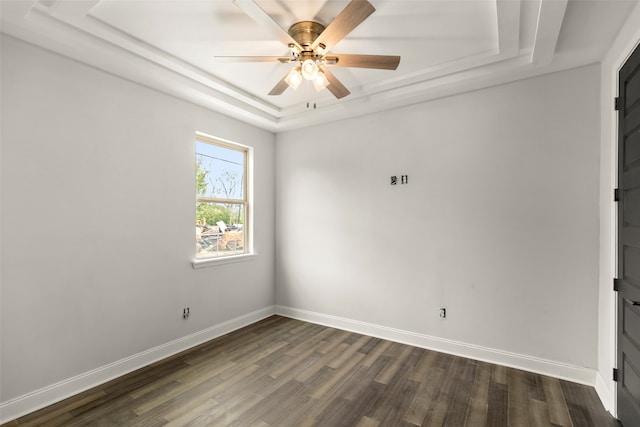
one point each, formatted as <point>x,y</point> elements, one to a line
<point>221,198</point>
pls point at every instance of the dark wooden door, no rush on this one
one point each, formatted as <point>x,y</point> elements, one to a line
<point>629,242</point>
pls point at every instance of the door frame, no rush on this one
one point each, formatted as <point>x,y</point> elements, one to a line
<point>614,256</point>
<point>620,49</point>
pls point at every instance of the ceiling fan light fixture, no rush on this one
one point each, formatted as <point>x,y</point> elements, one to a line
<point>310,42</point>
<point>309,69</point>
<point>294,78</point>
<point>321,81</point>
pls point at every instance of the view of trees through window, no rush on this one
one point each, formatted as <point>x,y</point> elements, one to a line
<point>221,200</point>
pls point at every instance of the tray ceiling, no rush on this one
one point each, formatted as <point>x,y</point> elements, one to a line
<point>447,47</point>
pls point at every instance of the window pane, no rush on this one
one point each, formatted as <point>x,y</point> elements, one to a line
<point>219,229</point>
<point>219,172</point>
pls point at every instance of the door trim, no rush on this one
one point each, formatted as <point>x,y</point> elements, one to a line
<point>631,47</point>
<point>619,52</point>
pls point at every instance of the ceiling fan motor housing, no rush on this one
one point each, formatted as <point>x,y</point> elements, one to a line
<point>305,33</point>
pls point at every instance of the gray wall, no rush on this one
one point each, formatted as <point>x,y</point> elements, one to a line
<point>98,221</point>
<point>499,221</point>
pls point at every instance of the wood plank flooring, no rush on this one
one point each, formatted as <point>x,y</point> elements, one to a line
<point>284,372</point>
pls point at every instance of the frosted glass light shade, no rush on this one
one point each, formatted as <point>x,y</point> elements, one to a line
<point>309,69</point>
<point>320,82</point>
<point>294,78</point>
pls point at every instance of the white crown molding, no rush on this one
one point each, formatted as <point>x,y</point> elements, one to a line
<point>69,28</point>
<point>550,16</point>
<point>508,16</point>
<point>46,396</point>
<point>72,8</point>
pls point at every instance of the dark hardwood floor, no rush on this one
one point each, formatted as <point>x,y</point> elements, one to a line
<point>284,372</point>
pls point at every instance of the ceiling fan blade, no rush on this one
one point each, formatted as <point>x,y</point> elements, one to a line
<point>260,16</point>
<point>350,17</point>
<point>380,62</point>
<point>335,86</point>
<point>282,59</point>
<point>280,87</point>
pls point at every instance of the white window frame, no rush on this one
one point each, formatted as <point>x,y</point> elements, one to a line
<point>247,202</point>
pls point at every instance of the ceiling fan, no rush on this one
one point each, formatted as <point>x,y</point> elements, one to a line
<point>309,43</point>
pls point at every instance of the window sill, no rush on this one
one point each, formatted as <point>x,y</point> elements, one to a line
<point>212,262</point>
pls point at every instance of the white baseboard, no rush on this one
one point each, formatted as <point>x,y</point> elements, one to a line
<point>46,396</point>
<point>606,394</point>
<point>537,365</point>
<point>41,398</point>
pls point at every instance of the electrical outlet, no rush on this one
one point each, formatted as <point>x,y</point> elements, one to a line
<point>443,313</point>
<point>185,312</point>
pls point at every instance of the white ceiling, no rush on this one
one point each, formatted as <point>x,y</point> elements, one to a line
<point>446,46</point>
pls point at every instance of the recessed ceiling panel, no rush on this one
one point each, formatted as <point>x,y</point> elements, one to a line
<point>423,33</point>
<point>446,47</point>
